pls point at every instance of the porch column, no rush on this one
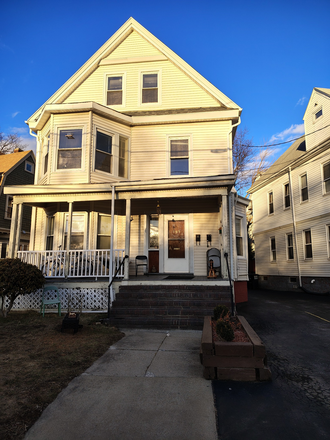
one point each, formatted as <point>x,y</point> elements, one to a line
<point>127,238</point>
<point>225,235</point>
<point>18,228</point>
<point>13,229</point>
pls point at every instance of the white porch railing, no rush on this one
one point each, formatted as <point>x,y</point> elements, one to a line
<point>75,264</point>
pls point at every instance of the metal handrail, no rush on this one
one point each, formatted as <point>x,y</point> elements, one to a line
<point>112,280</point>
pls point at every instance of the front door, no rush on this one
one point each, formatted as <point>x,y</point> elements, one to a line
<point>176,243</point>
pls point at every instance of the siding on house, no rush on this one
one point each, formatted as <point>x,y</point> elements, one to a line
<point>177,90</point>
<point>317,129</point>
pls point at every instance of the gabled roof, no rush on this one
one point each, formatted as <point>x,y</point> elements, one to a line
<point>108,47</point>
<point>294,152</point>
<point>322,91</point>
<point>10,161</point>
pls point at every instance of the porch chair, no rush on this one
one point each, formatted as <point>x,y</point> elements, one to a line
<point>141,260</point>
<point>55,300</point>
<point>214,255</point>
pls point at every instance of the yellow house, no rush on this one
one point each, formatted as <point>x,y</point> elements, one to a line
<point>134,157</point>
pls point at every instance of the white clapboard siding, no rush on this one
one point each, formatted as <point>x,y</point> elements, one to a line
<point>206,223</point>
<point>150,149</point>
<point>67,121</point>
<point>177,89</point>
<point>318,129</point>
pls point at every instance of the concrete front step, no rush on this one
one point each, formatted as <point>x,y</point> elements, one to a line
<point>159,306</point>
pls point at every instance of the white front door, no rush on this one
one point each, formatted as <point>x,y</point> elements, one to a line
<point>176,243</point>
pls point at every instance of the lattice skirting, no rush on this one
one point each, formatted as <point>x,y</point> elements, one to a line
<point>88,300</point>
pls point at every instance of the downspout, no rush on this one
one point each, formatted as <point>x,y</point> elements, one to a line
<point>110,289</point>
<point>294,226</point>
<point>230,157</point>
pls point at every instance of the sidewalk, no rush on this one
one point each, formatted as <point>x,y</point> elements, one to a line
<point>149,385</point>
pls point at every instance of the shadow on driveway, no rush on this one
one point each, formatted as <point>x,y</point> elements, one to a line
<point>295,328</point>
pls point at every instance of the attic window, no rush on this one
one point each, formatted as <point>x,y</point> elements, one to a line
<point>150,88</point>
<point>115,90</point>
<point>318,114</point>
<point>29,167</point>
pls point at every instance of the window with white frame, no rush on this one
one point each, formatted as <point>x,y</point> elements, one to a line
<point>272,249</point>
<point>308,244</point>
<point>50,233</point>
<point>270,202</point>
<point>77,231</point>
<point>289,246</point>
<point>303,187</point>
<point>328,239</point>
<point>318,114</point>
<point>104,231</point>
<point>326,178</point>
<point>115,90</point>
<point>29,167</point>
<point>286,189</point>
<point>123,154</point>
<point>149,88</point>
<point>103,152</point>
<point>9,207</point>
<point>239,236</point>
<point>179,157</point>
<point>69,149</point>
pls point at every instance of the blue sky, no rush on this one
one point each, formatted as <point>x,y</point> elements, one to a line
<point>265,55</point>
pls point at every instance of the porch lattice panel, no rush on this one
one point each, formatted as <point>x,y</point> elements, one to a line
<point>86,299</point>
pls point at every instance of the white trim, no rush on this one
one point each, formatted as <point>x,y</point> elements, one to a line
<point>300,187</point>
<point>287,246</point>
<point>169,138</point>
<point>322,174</point>
<point>65,127</point>
<point>86,228</point>
<point>158,72</point>
<point>27,162</point>
<point>314,113</point>
<point>327,234</point>
<point>285,208</point>
<point>105,91</point>
<point>305,244</point>
<point>268,202</point>
<point>114,142</point>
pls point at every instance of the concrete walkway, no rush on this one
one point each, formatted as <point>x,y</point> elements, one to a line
<point>149,385</point>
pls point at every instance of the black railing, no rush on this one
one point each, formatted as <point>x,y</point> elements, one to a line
<point>112,280</point>
<point>233,312</point>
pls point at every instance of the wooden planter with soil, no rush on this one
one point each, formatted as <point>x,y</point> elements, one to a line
<point>244,361</point>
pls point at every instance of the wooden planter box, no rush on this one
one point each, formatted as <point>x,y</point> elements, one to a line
<point>245,361</point>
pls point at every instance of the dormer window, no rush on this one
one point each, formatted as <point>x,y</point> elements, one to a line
<point>69,149</point>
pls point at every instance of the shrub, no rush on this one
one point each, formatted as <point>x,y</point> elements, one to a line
<point>220,311</point>
<point>224,330</point>
<point>17,278</point>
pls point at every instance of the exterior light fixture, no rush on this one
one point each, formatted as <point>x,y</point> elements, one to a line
<point>158,209</point>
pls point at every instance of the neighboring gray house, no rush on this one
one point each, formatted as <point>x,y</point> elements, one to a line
<point>15,169</point>
<point>291,208</point>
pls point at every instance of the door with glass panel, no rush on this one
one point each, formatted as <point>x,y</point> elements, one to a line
<point>176,243</point>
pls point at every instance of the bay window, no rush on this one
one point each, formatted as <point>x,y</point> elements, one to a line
<point>103,153</point>
<point>69,149</point>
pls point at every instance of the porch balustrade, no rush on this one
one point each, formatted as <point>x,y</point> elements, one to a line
<point>75,263</point>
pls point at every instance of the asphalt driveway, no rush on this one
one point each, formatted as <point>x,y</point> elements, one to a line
<point>295,327</point>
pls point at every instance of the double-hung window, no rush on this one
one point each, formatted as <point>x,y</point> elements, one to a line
<point>289,244</point>
<point>286,196</point>
<point>270,203</point>
<point>149,88</point>
<point>69,149</point>
<point>239,238</point>
<point>304,187</point>
<point>77,231</point>
<point>50,233</point>
<point>103,152</point>
<point>272,249</point>
<point>122,162</point>
<point>308,244</point>
<point>179,157</point>
<point>115,90</point>
<point>328,239</point>
<point>104,231</point>
<point>326,178</point>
